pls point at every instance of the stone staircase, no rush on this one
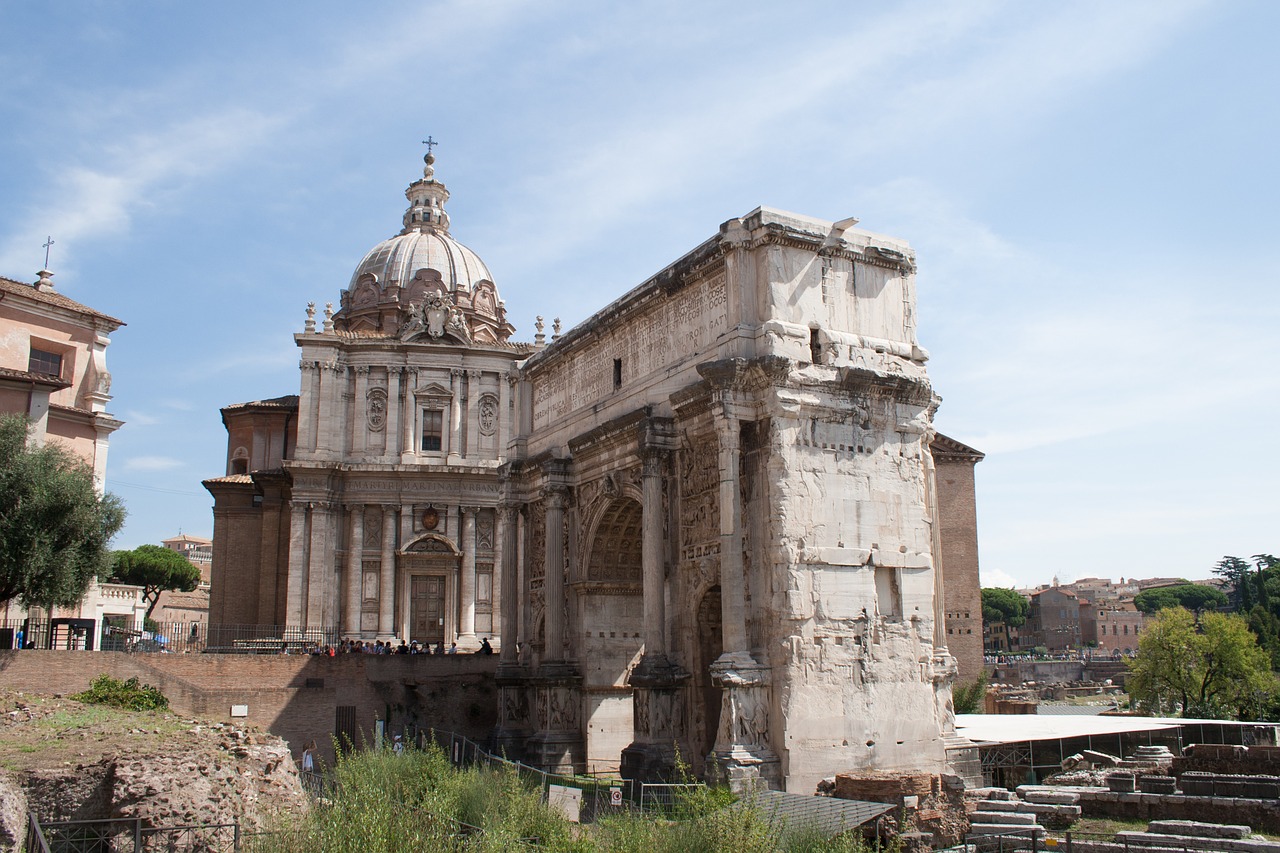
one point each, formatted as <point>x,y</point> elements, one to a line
<point>1000,814</point>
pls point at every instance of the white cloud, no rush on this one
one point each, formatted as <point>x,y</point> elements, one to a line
<point>999,579</point>
<point>85,203</point>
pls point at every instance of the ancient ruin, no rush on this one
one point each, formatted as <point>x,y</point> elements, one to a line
<point>705,521</point>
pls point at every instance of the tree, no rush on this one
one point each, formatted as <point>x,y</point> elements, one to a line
<point>155,569</point>
<point>1192,596</point>
<point>54,526</point>
<point>1236,572</point>
<point>1004,605</point>
<point>1210,668</point>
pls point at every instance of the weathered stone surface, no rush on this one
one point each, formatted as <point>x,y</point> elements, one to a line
<point>1200,829</point>
<point>13,813</point>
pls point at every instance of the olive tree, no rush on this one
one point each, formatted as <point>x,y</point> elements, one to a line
<point>54,526</point>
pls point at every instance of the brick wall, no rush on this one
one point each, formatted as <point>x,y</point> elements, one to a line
<point>962,591</point>
<point>294,696</point>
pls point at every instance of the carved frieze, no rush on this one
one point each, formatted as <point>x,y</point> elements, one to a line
<point>537,539</point>
<point>484,531</point>
<point>673,329</point>
<point>372,529</point>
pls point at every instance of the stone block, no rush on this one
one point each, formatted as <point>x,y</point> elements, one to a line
<point>999,806</point>
<point>1054,798</point>
<point>1199,829</point>
<point>1006,818</point>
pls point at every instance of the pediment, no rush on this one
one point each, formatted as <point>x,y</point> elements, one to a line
<point>433,389</point>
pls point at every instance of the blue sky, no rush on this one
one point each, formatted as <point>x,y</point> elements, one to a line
<point>1090,187</point>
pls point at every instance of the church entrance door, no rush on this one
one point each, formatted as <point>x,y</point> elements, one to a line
<point>426,608</point>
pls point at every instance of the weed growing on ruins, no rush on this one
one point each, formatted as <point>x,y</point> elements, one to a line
<point>417,801</point>
<point>970,698</point>
<point>129,695</point>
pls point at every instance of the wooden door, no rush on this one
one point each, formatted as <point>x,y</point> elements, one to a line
<point>426,608</point>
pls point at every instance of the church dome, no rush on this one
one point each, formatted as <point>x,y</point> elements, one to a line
<point>421,264</point>
<point>397,260</point>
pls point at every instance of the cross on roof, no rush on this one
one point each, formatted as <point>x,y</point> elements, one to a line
<point>50,243</point>
<point>430,143</point>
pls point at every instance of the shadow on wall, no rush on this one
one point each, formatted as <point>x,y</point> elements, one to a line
<point>297,697</point>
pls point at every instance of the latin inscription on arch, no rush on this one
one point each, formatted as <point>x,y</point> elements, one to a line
<point>669,332</point>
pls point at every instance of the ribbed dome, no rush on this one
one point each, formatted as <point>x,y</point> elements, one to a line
<point>424,264</point>
<point>396,261</point>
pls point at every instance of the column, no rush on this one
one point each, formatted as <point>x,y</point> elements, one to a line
<point>393,412</point>
<point>455,416</point>
<point>505,381</point>
<point>306,408</point>
<point>407,447</point>
<point>295,605</point>
<point>517,692</point>
<point>355,570</point>
<point>655,611</point>
<point>319,566</point>
<point>360,412</point>
<point>495,577</point>
<point>508,601</point>
<point>742,756</point>
<point>467,583</point>
<point>337,419</point>
<point>387,578</point>
<point>556,498</point>
<point>323,381</point>
<point>732,595</point>
<point>473,414</point>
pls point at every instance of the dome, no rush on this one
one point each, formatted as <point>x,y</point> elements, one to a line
<point>423,263</point>
<point>398,260</point>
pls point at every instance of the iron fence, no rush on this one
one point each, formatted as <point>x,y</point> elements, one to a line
<point>602,793</point>
<point>129,834</point>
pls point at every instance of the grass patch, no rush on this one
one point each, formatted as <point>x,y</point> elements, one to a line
<point>418,802</point>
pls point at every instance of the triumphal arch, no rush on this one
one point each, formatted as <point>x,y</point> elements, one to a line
<point>724,503</point>
<point>704,522</point>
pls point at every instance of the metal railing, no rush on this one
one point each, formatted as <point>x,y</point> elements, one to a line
<point>602,793</point>
<point>129,834</point>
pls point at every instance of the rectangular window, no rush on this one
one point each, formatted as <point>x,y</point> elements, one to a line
<point>43,361</point>
<point>432,430</point>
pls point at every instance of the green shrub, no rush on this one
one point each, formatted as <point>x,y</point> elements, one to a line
<point>129,695</point>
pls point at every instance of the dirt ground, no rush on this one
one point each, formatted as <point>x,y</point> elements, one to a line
<point>39,732</point>
<point>65,760</point>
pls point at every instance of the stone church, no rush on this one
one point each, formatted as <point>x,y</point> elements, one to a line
<point>712,518</point>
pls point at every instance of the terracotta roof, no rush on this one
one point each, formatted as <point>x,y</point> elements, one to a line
<point>242,479</point>
<point>945,445</point>
<point>52,297</point>
<point>288,401</point>
<point>37,378</point>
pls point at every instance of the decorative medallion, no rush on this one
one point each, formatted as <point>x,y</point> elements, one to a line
<point>488,414</point>
<point>377,408</point>
<point>430,518</point>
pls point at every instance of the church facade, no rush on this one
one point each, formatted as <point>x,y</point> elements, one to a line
<point>704,520</point>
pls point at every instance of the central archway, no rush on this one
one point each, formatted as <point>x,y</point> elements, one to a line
<point>611,598</point>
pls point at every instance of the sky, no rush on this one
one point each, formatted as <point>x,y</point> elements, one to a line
<point>1091,189</point>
